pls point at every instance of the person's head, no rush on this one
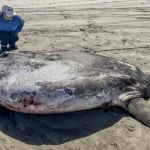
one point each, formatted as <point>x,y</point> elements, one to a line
<point>8,12</point>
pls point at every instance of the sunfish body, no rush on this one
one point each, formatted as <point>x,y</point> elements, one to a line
<point>60,82</point>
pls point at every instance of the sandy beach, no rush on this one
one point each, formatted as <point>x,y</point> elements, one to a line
<point>114,28</point>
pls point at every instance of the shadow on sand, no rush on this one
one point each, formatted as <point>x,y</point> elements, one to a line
<point>57,129</point>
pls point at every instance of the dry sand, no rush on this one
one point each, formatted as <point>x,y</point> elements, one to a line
<point>115,28</point>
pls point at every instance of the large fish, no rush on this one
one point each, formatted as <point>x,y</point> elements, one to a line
<point>60,82</point>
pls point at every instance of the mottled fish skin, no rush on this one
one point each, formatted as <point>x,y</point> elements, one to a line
<point>60,82</point>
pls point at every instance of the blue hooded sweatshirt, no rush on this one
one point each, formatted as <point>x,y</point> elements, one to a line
<point>16,24</point>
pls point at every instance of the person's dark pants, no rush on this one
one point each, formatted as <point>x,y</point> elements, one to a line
<point>8,37</point>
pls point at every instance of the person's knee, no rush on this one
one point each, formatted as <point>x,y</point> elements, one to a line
<point>14,37</point>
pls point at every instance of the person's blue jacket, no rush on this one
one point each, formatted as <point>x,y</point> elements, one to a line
<point>16,24</point>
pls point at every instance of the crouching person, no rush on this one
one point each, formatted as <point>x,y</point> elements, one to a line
<point>10,25</point>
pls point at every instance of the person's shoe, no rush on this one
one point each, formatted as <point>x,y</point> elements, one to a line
<point>4,48</point>
<point>13,47</point>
